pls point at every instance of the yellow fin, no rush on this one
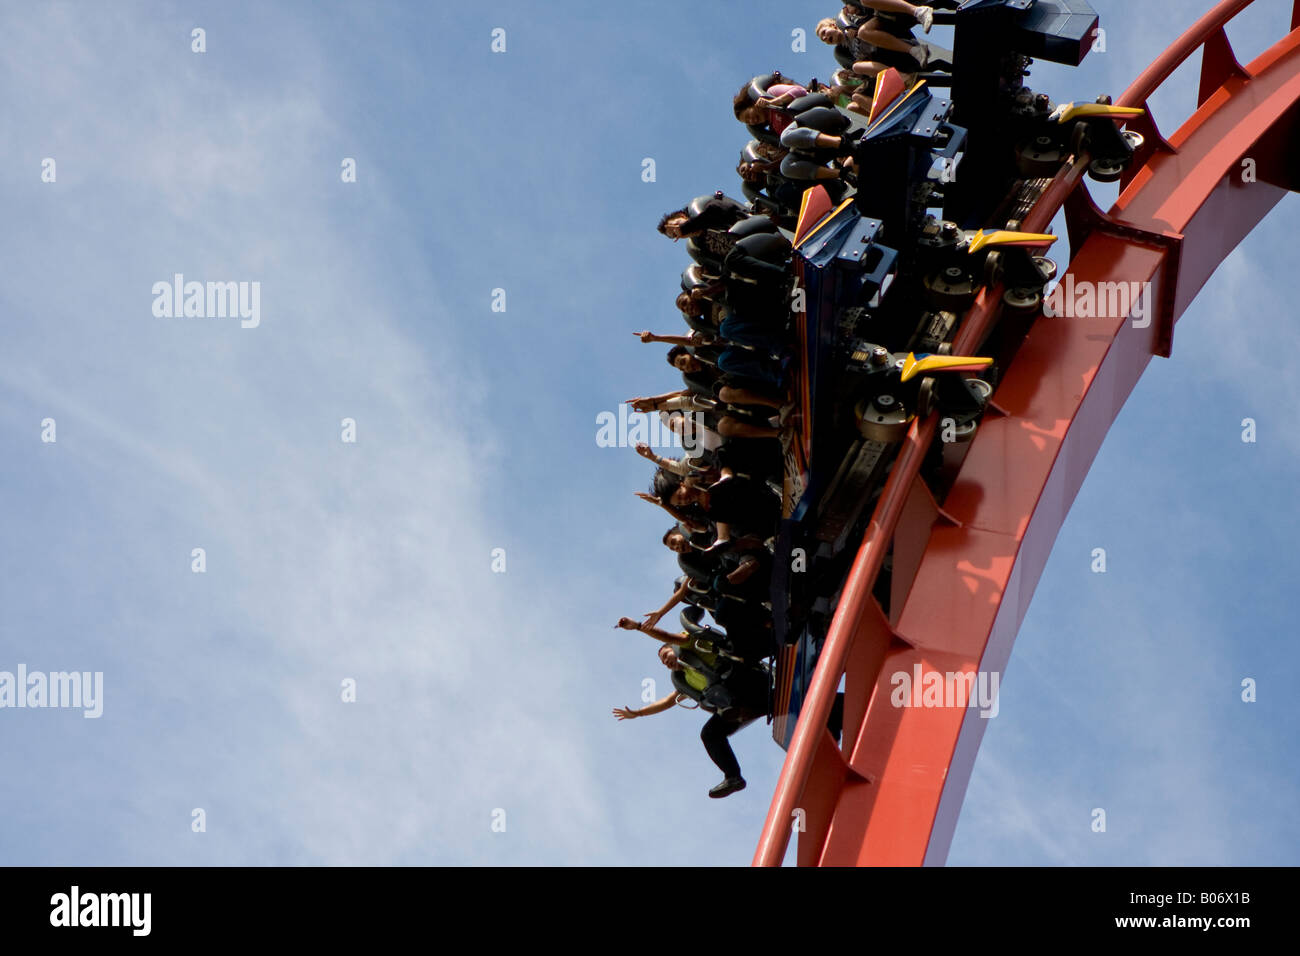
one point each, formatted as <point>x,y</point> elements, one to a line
<point>915,365</point>
<point>1071,111</point>
<point>1003,237</point>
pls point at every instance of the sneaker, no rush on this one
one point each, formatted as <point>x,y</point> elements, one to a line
<point>925,17</point>
<point>728,787</point>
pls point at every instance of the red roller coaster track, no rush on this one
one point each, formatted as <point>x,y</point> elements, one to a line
<point>963,575</point>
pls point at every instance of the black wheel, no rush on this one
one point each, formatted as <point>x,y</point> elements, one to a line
<point>1023,300</point>
<point>883,420</point>
<point>1079,138</point>
<point>951,290</point>
<point>926,399</point>
<point>1106,171</point>
<point>1039,158</point>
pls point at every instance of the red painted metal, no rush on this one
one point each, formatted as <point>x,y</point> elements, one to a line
<point>892,794</point>
<point>1218,65</point>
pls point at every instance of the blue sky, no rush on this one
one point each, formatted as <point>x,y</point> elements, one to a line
<point>479,691</point>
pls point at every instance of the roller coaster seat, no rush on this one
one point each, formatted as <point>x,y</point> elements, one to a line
<point>705,257</point>
<point>765,204</point>
<point>710,248</point>
<point>719,203</point>
<point>768,246</point>
<point>809,102</point>
<point>700,323</point>
<point>752,153</point>
<point>744,688</point>
<point>759,86</point>
<point>694,277</point>
<point>690,619</point>
<point>753,226</point>
<point>824,119</point>
<point>764,134</point>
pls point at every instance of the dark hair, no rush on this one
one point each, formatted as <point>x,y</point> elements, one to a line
<point>664,485</point>
<point>674,352</point>
<point>675,529</point>
<point>663,223</point>
<point>741,102</point>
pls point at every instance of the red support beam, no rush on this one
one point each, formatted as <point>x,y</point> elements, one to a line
<point>1218,65</point>
<point>871,643</point>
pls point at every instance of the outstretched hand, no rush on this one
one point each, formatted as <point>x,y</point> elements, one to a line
<point>627,624</point>
<point>645,336</point>
<point>625,713</point>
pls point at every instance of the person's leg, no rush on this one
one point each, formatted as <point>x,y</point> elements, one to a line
<point>753,644</point>
<point>752,689</point>
<point>714,735</point>
<point>745,396</point>
<point>906,62</point>
<point>764,333</point>
<point>736,615</point>
<point>800,168</point>
<point>731,428</point>
<point>869,69</point>
<point>723,539</point>
<point>758,459</point>
<point>873,32</point>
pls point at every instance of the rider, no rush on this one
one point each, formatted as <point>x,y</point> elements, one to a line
<point>735,702</point>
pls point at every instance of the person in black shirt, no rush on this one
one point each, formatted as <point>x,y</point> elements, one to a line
<point>734,702</point>
<point>716,212</point>
<point>734,503</point>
